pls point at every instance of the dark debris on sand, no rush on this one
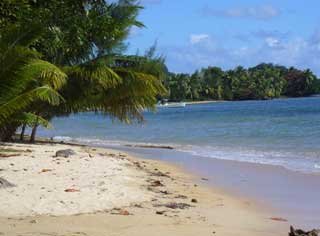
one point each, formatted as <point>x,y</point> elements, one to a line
<point>299,232</point>
<point>174,205</point>
<point>5,183</point>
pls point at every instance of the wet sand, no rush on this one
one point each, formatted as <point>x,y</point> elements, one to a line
<point>293,195</point>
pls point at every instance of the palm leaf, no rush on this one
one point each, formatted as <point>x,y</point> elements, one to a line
<point>17,104</point>
<point>31,119</point>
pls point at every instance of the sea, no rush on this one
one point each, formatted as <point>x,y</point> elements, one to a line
<point>280,132</point>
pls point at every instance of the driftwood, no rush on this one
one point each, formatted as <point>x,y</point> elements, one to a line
<point>299,232</point>
<point>5,183</point>
<point>174,205</point>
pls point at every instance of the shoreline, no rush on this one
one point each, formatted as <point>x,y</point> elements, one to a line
<point>203,102</point>
<point>246,100</point>
<point>208,211</point>
<point>290,193</point>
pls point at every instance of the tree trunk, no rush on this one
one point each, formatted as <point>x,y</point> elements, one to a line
<point>22,132</point>
<point>33,133</point>
<point>7,132</point>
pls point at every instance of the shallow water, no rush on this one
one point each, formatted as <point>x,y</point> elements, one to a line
<point>284,132</point>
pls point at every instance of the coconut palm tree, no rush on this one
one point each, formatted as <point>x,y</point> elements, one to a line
<point>24,78</point>
<point>32,90</point>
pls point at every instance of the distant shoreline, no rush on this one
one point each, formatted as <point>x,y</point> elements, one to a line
<point>204,102</point>
<point>216,101</point>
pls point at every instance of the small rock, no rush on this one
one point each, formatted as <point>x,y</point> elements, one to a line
<point>156,183</point>
<point>33,221</point>
<point>204,179</point>
<point>193,200</point>
<point>65,153</point>
<point>160,212</point>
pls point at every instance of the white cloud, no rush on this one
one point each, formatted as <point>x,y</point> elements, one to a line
<point>261,12</point>
<point>294,51</point>
<point>272,42</point>
<point>145,2</point>
<point>198,38</point>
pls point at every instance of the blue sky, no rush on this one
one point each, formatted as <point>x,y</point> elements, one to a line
<point>197,33</point>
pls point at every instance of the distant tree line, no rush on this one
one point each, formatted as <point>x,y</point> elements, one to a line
<point>264,81</point>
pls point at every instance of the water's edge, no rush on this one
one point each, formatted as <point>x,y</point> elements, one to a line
<point>292,194</point>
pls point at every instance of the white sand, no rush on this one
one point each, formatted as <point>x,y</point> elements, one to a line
<point>104,182</point>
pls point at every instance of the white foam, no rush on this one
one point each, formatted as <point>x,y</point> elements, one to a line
<point>288,160</point>
<point>61,138</point>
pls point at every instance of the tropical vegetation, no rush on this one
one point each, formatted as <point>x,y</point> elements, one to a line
<point>264,81</point>
<point>63,57</point>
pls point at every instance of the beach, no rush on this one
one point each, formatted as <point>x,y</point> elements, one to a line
<point>98,191</point>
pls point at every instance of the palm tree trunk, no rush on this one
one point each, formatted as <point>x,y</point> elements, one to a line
<point>7,132</point>
<point>22,132</point>
<point>33,133</point>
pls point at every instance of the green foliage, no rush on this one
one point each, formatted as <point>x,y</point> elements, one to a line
<point>31,119</point>
<point>70,61</point>
<point>264,81</point>
<point>24,78</point>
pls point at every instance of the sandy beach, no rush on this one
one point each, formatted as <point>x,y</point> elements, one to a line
<point>99,191</point>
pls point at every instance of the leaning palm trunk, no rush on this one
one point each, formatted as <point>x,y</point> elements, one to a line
<point>23,130</point>
<point>33,133</point>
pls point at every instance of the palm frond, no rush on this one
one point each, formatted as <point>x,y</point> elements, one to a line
<point>31,119</point>
<point>44,73</point>
<point>97,73</point>
<point>44,93</point>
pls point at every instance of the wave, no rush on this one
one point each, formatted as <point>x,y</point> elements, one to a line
<point>310,163</point>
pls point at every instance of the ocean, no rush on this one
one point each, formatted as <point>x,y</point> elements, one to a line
<point>281,132</point>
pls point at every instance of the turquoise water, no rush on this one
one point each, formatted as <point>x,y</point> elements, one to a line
<point>283,132</point>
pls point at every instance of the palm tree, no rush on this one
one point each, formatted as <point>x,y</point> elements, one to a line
<point>119,86</point>
<point>24,78</point>
<point>84,41</point>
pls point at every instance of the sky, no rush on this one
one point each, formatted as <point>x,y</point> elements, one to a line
<point>192,34</point>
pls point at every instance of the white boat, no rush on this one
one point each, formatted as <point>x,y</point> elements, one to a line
<point>172,105</point>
